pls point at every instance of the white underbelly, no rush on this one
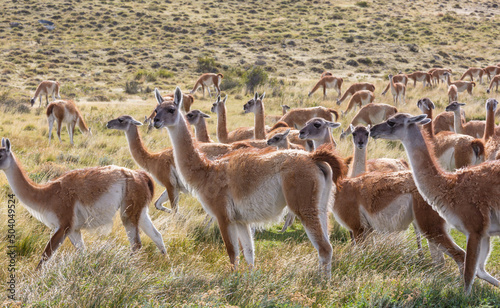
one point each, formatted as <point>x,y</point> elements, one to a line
<point>447,159</point>
<point>397,216</point>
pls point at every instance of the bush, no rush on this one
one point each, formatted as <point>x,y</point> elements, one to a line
<point>254,77</point>
<point>207,65</point>
<point>131,87</point>
<point>362,4</point>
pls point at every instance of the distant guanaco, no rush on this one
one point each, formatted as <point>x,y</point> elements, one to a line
<point>207,80</point>
<point>47,87</point>
<point>328,81</point>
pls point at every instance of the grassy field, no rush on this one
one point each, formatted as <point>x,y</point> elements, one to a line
<point>109,55</point>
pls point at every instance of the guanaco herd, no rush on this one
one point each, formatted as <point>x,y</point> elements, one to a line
<point>252,174</point>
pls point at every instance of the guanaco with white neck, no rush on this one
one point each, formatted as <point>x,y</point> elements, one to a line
<point>474,128</point>
<point>318,130</point>
<point>328,81</point>
<point>197,119</point>
<point>161,165</point>
<point>452,93</point>
<point>370,114</point>
<point>468,199</point>
<point>47,87</point>
<point>187,102</point>
<point>254,186</point>
<point>84,199</point>
<point>355,87</point>
<point>398,91</point>
<point>207,80</point>
<point>64,111</point>
<point>401,78</point>
<point>461,85</point>
<point>491,133</point>
<point>453,151</point>
<point>280,141</point>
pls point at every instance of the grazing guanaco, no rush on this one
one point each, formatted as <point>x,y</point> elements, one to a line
<point>474,72</point>
<point>65,111</point>
<point>197,119</point>
<point>398,91</point>
<point>492,70</point>
<point>207,80</point>
<point>461,85</point>
<point>360,99</point>
<point>438,74</point>
<point>84,199</point>
<point>355,87</point>
<point>453,151</point>
<point>254,186</point>
<point>298,117</point>
<point>401,78</point>
<point>47,87</point>
<point>468,199</point>
<point>328,82</point>
<point>370,114</point>
<point>423,77</point>
<point>452,93</point>
<point>494,83</point>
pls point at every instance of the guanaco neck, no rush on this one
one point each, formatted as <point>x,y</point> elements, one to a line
<point>325,139</point>
<point>428,128</point>
<point>489,128</point>
<point>201,131</point>
<point>222,134</point>
<point>260,128</point>
<point>192,167</point>
<point>427,174</point>
<point>81,124</point>
<point>457,122</point>
<point>359,162</point>
<point>30,193</point>
<point>140,154</point>
<point>392,84</point>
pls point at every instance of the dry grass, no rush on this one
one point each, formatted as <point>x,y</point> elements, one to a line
<point>98,46</point>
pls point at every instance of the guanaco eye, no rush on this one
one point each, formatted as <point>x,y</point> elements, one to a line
<point>390,123</point>
<point>189,115</point>
<point>171,110</point>
<point>317,125</point>
<point>120,120</point>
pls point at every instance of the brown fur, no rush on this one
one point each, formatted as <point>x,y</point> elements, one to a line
<point>360,98</point>
<point>47,87</point>
<point>467,150</point>
<point>65,111</point>
<point>491,138</point>
<point>492,71</point>
<point>474,128</point>
<point>494,83</point>
<point>401,78</point>
<point>438,74</point>
<point>298,117</point>
<point>328,81</point>
<point>468,198</point>
<point>370,114</point>
<point>226,187</point>
<point>452,93</point>
<point>398,91</point>
<point>423,77</point>
<point>474,72</point>
<point>461,85</point>
<point>371,193</point>
<point>207,80</point>
<point>444,121</point>
<point>355,87</point>
<point>54,203</point>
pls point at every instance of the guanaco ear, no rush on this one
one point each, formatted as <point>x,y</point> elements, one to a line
<point>262,96</point>
<point>461,104</point>
<point>218,99</point>
<point>3,142</point>
<point>204,115</point>
<point>90,131</point>
<point>333,124</point>
<point>286,132</point>
<point>432,105</point>
<point>178,97</point>
<point>418,119</point>
<point>351,127</point>
<point>135,122</point>
<point>368,127</point>
<point>256,96</point>
<point>158,96</point>
<point>7,144</point>
<point>225,99</point>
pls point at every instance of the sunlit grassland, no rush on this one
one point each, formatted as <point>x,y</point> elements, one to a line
<point>386,271</point>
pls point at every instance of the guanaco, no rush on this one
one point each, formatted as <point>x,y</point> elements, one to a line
<point>47,87</point>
